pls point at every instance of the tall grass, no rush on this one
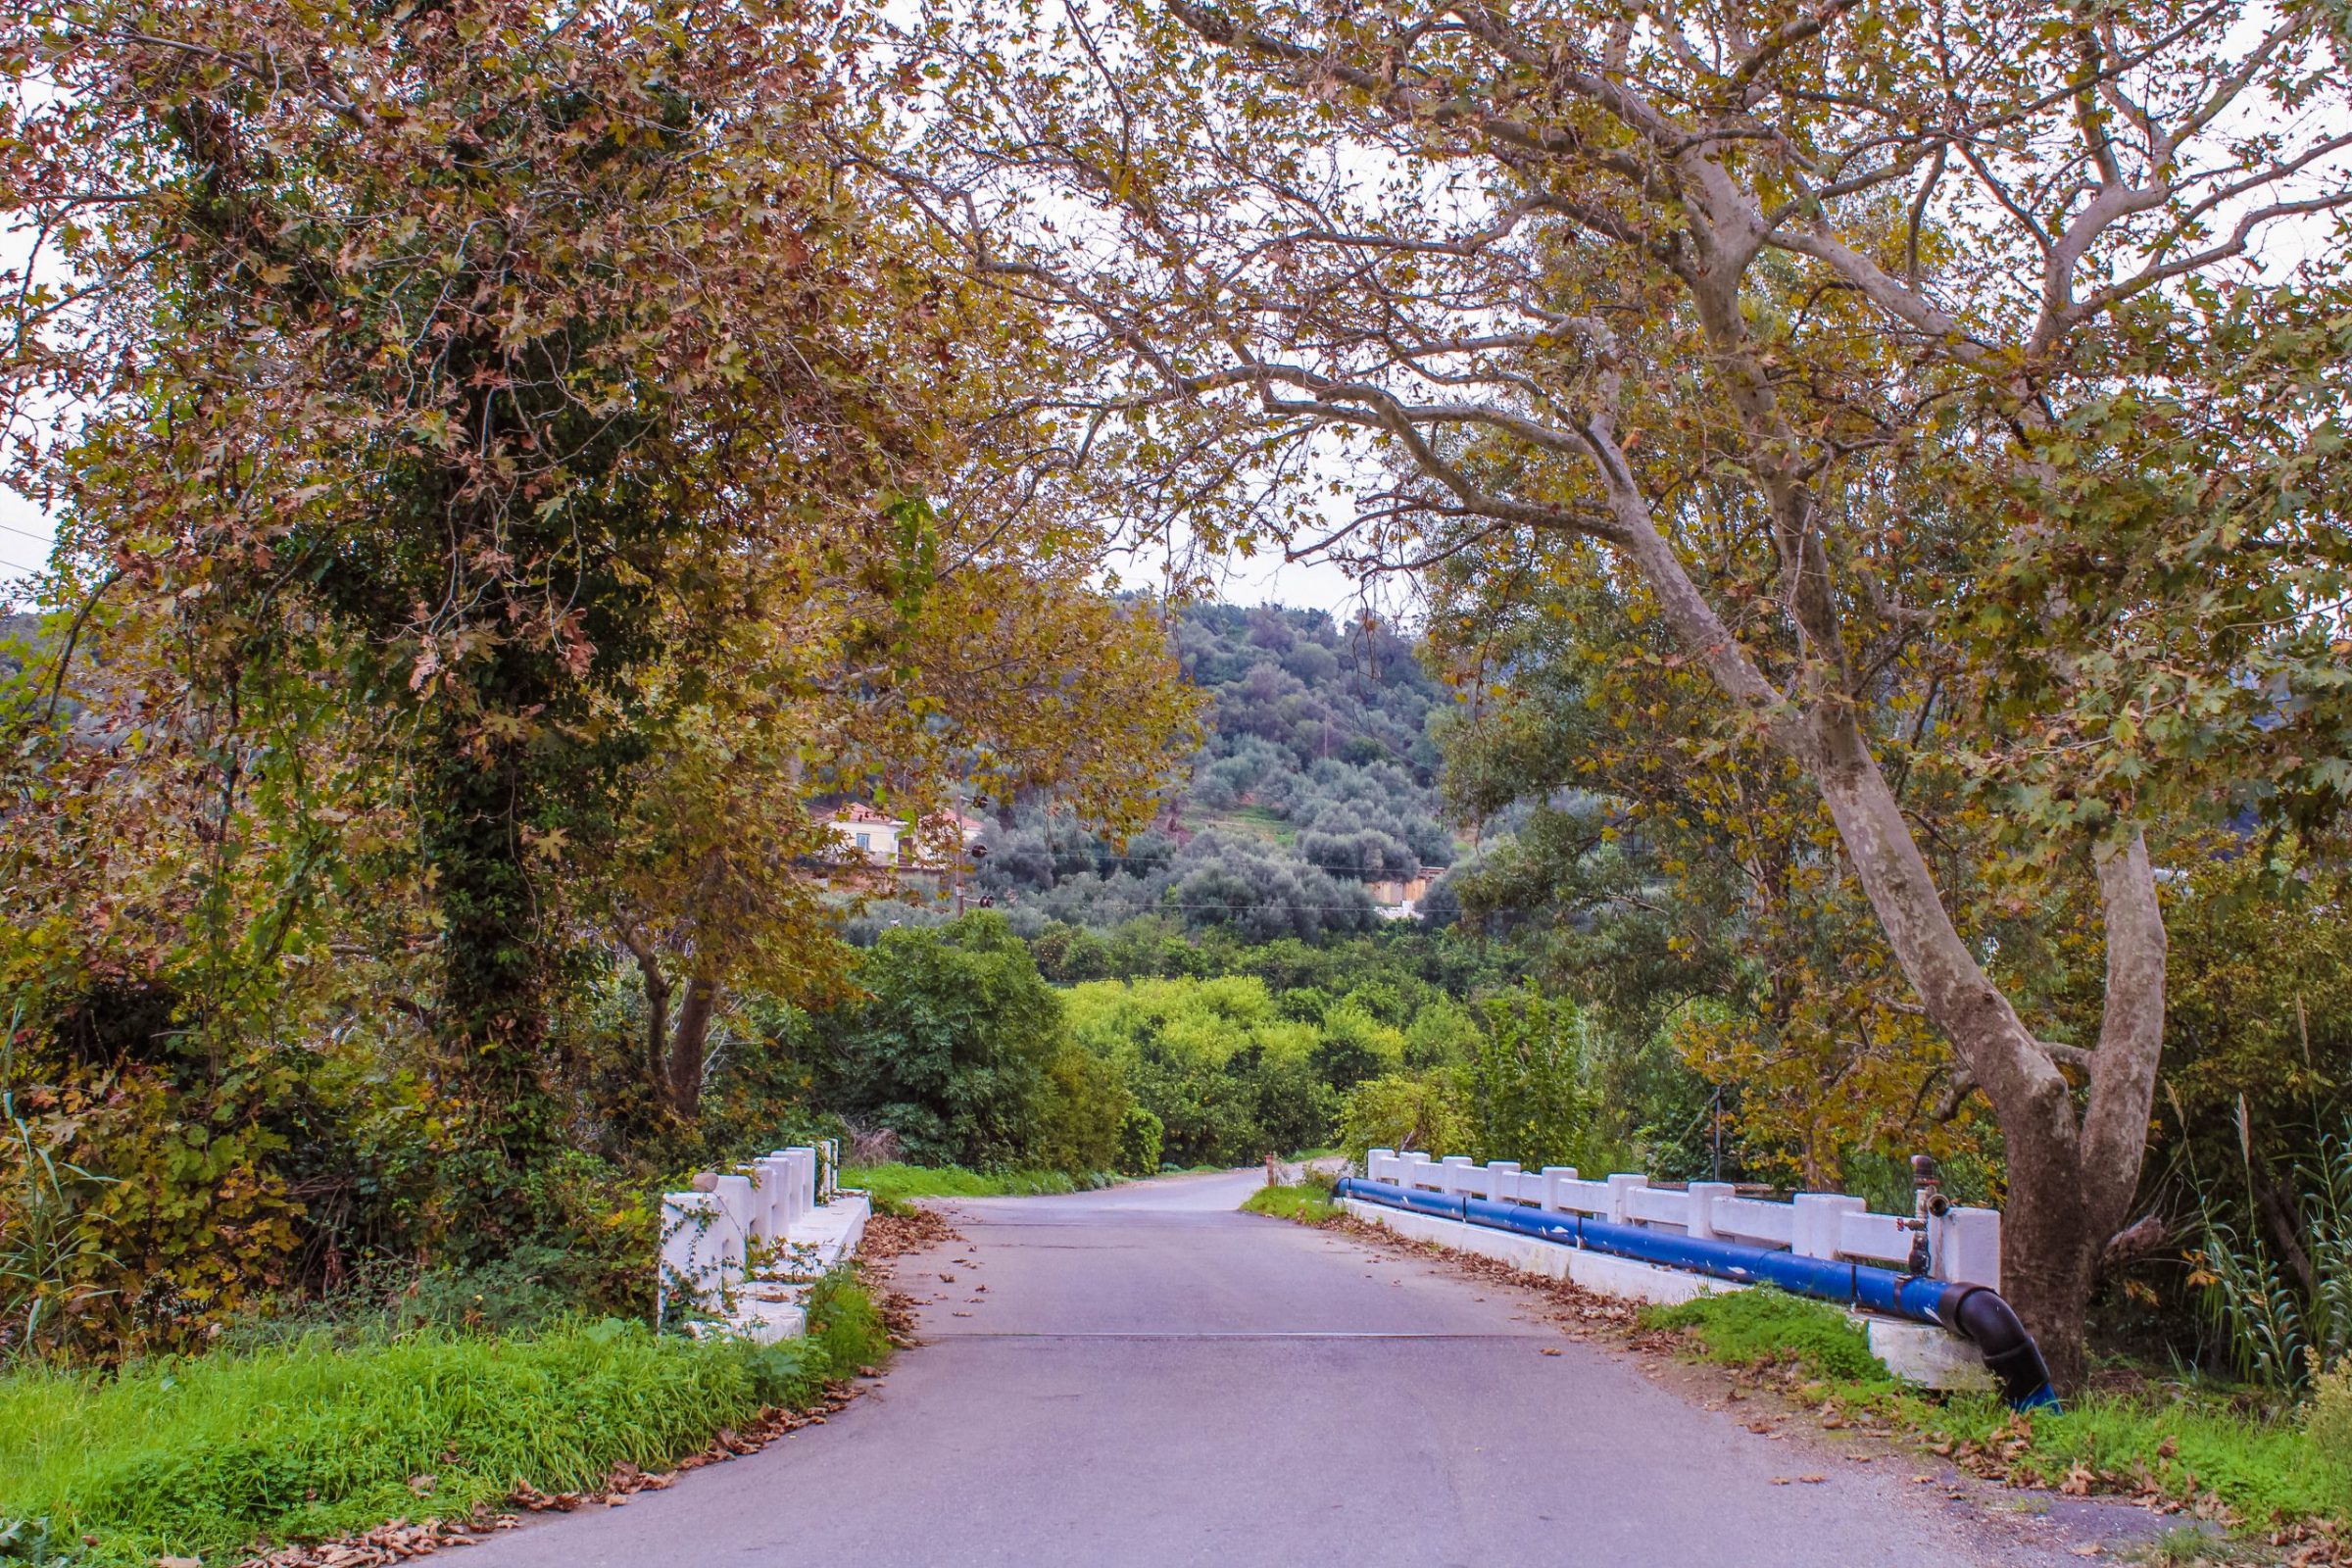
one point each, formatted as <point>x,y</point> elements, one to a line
<point>2282,1332</point>
<point>205,1457</point>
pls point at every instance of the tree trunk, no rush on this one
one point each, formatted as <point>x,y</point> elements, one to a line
<point>495,959</point>
<point>2049,1252</point>
<point>656,1014</point>
<point>2071,1176</point>
<point>686,1039</point>
<point>2070,1179</point>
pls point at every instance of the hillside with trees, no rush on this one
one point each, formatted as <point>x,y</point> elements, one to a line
<point>1317,774</point>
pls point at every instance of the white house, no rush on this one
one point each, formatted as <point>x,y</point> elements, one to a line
<point>879,838</point>
<point>869,834</point>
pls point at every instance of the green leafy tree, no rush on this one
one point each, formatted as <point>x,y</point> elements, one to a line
<point>954,1045</point>
<point>1899,362</point>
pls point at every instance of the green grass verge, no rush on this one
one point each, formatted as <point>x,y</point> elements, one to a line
<point>203,1456</point>
<point>892,1184</point>
<point>1308,1204</point>
<point>2170,1442</point>
<point>1754,1327</point>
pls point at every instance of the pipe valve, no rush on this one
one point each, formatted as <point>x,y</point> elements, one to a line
<point>1928,1203</point>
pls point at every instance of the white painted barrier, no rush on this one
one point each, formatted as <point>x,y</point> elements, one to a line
<point>738,1254</point>
<point>1964,1244</point>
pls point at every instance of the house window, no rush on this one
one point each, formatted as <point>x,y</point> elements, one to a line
<point>866,841</point>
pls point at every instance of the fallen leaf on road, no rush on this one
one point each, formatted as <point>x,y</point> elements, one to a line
<point>1549,1351</point>
<point>1780,1480</point>
<point>1812,1480</point>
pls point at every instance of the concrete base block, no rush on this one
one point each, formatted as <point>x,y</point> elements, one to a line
<point>1925,1354</point>
<point>1635,1281</point>
<point>1917,1352</point>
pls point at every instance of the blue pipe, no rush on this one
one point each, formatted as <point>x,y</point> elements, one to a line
<point>1971,1311</point>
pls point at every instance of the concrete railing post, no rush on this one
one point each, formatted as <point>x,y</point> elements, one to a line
<point>1502,1179</point>
<point>771,1210</point>
<point>735,1196</point>
<point>1554,1175</point>
<point>1377,1163</point>
<point>1965,1245</point>
<point>1620,1184</point>
<point>1815,1223</point>
<point>702,1255</point>
<point>1699,1220</point>
<point>1455,1179</point>
<point>804,1179</point>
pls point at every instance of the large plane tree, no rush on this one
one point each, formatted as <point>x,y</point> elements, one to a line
<point>1950,377</point>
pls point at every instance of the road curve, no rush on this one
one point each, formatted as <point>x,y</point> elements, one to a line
<point>1143,1376</point>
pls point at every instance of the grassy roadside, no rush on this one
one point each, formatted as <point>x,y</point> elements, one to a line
<point>1308,1203</point>
<point>206,1457</point>
<point>2262,1473</point>
<point>892,1184</point>
<point>2257,1470</point>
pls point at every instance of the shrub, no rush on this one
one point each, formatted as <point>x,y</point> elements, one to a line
<point>1086,1108</point>
<point>1405,1111</point>
<point>1529,1096</point>
<point>1139,1136</point>
<point>2276,1329</point>
<point>953,1046</point>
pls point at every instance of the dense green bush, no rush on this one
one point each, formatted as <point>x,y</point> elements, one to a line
<point>958,1045</point>
<point>1230,1078</point>
<point>1141,1143</point>
<point>1416,1112</point>
<point>1529,1092</point>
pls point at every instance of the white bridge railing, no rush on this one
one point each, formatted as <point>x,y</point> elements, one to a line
<point>743,1246</point>
<point>1964,1244</point>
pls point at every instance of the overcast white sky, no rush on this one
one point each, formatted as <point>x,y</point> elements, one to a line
<point>26,532</point>
<point>24,536</point>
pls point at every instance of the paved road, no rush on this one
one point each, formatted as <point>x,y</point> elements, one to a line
<point>1151,1378</point>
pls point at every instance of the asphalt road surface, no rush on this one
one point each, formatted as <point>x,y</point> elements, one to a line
<point>1144,1376</point>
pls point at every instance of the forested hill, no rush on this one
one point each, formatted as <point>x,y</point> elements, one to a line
<point>1317,774</point>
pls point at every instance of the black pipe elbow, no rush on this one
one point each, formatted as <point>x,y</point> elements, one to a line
<point>1980,1317</point>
